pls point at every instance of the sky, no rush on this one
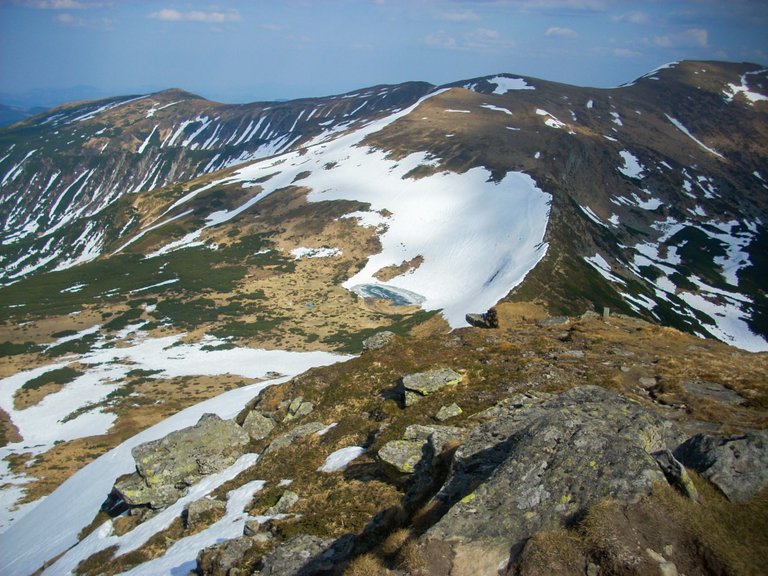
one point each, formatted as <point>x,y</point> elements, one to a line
<point>239,51</point>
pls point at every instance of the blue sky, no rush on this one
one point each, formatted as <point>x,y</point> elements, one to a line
<point>240,51</point>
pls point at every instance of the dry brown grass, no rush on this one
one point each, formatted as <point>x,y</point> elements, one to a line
<point>559,552</point>
<point>713,536</point>
<point>366,565</point>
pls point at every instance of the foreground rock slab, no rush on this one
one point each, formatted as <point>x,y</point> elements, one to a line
<point>538,465</point>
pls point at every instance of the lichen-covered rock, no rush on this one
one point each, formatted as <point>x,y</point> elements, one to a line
<point>448,412</point>
<point>203,510</point>
<point>165,467</point>
<point>294,434</point>
<point>298,408</point>
<point>257,425</point>
<point>737,464</point>
<point>286,501</point>
<point>536,465</point>
<point>224,558</point>
<point>304,554</point>
<point>378,340</point>
<point>416,386</point>
<point>402,455</point>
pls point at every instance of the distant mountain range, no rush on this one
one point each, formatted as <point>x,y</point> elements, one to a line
<point>655,191</point>
<point>164,258</point>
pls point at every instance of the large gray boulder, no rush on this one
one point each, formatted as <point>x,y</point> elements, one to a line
<point>737,464</point>
<point>416,386</point>
<point>538,464</point>
<point>166,467</point>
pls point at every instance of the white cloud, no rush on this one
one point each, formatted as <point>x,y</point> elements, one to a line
<point>211,17</point>
<point>561,32</point>
<point>626,53</point>
<point>690,38</point>
<point>460,15</point>
<point>479,39</point>
<point>633,18</point>
<point>60,4</point>
<point>441,39</point>
<point>697,36</point>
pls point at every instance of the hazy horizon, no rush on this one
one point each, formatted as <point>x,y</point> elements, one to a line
<point>236,52</point>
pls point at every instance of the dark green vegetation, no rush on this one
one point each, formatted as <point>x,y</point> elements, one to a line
<point>191,270</point>
<point>58,376</point>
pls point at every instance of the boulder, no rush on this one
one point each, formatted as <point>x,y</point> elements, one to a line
<point>402,455</point>
<point>294,434</point>
<point>203,511</point>
<point>418,442</point>
<point>298,408</point>
<point>416,386</point>
<point>226,558</point>
<point>257,425</point>
<point>489,319</point>
<point>165,467</point>
<point>378,340</point>
<point>448,412</point>
<point>305,555</point>
<point>539,464</point>
<point>286,501</point>
<point>736,464</point>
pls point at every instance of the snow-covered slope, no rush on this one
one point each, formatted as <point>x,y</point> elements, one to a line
<point>69,165</point>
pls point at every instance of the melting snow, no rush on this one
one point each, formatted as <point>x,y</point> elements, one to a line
<point>340,459</point>
<point>551,121</point>
<point>504,84</point>
<point>302,252</point>
<point>144,144</point>
<point>601,265</point>
<point>733,90</point>
<point>632,166</point>
<point>496,108</point>
<point>685,131</point>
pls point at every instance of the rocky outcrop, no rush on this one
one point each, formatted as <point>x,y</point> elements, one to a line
<point>418,442</point>
<point>257,425</point>
<point>488,319</point>
<point>378,340</point>
<point>737,465</point>
<point>304,554</point>
<point>289,437</point>
<point>166,467</point>
<point>226,558</point>
<point>537,464</point>
<point>416,386</point>
<point>203,512</point>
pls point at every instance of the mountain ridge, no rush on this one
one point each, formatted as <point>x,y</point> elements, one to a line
<point>138,293</point>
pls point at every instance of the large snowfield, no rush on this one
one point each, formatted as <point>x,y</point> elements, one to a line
<point>478,238</point>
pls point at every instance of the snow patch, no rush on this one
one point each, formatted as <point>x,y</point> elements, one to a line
<point>340,459</point>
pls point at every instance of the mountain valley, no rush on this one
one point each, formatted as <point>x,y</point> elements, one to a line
<point>166,257</point>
